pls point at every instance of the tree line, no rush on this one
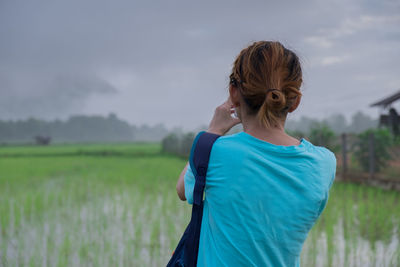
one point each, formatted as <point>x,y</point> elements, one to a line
<point>83,128</point>
<point>78,128</point>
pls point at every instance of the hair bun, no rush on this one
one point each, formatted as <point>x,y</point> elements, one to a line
<point>271,78</point>
<point>275,99</point>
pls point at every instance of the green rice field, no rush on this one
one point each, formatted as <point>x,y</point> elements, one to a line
<point>116,205</point>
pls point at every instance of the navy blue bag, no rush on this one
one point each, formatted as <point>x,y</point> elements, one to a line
<point>185,254</point>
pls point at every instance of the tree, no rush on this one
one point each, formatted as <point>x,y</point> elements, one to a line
<point>383,140</point>
<point>337,122</point>
<point>303,125</point>
<point>170,144</point>
<point>361,122</point>
<point>186,144</point>
<point>322,135</point>
<point>179,145</point>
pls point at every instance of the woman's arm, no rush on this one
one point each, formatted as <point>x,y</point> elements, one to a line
<point>180,185</point>
<point>221,122</point>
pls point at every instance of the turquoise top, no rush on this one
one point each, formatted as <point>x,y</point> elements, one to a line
<point>261,200</point>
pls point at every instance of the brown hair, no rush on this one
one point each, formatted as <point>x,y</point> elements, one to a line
<point>269,77</point>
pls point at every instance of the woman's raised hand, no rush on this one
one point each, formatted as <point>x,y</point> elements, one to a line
<point>222,120</point>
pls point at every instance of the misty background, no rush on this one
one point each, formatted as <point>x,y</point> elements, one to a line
<point>96,128</point>
<point>135,70</point>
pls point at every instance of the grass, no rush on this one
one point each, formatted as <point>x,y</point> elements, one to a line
<point>116,205</point>
<point>61,150</point>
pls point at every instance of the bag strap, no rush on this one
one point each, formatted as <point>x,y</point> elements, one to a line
<point>199,158</point>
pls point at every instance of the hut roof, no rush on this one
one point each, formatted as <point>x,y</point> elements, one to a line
<point>387,100</point>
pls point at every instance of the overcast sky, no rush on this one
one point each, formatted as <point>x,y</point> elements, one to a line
<point>169,61</point>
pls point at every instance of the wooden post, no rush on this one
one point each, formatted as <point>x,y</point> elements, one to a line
<point>344,156</point>
<point>371,156</point>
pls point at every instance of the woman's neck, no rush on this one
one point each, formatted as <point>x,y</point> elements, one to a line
<point>276,135</point>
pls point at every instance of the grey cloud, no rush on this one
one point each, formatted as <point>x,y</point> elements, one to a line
<point>50,96</point>
<point>169,60</point>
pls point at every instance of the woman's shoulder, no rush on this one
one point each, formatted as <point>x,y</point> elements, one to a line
<point>228,141</point>
<point>241,142</point>
<point>321,150</point>
<point>227,144</point>
<point>250,143</point>
<point>323,155</point>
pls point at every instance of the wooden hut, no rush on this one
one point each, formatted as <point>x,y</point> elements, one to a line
<point>389,116</point>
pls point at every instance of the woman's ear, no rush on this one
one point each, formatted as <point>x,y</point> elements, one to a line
<point>234,95</point>
<point>295,104</point>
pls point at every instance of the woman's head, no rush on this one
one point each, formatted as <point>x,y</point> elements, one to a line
<point>268,77</point>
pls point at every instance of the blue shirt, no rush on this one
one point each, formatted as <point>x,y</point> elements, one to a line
<point>261,200</point>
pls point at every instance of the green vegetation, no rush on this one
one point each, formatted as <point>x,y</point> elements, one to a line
<point>179,145</point>
<point>116,205</point>
<point>383,140</point>
<point>322,135</point>
<point>61,150</point>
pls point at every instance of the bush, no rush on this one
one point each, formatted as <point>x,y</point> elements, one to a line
<point>178,145</point>
<point>383,139</point>
<point>397,140</point>
<point>186,144</point>
<point>170,144</point>
<point>322,135</point>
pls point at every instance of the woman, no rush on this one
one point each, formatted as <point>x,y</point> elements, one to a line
<point>264,189</point>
